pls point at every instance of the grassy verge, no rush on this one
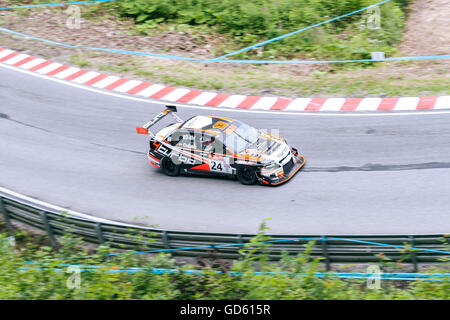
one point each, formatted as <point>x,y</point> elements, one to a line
<point>101,27</point>
<point>294,278</point>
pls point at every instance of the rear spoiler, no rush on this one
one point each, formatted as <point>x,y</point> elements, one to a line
<point>169,109</point>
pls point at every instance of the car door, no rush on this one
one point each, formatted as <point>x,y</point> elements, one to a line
<point>215,153</point>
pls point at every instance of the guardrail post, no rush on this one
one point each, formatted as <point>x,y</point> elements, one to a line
<point>413,254</point>
<point>48,228</point>
<point>5,215</point>
<point>98,228</point>
<point>325,253</point>
<point>240,240</point>
<point>165,238</point>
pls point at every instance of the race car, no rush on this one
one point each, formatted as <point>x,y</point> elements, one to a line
<point>220,146</point>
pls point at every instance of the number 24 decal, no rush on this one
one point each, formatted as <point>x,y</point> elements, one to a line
<point>216,166</point>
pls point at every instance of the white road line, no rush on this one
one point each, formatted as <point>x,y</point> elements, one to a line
<point>203,98</point>
<point>369,104</point>
<point>59,209</point>
<point>407,103</point>
<point>106,82</point>
<point>176,94</point>
<point>298,104</point>
<point>65,73</point>
<point>265,103</point>
<point>32,63</point>
<point>187,106</point>
<point>86,77</point>
<point>127,86</point>
<point>232,101</point>
<point>333,104</point>
<point>52,66</point>
<point>147,92</point>
<point>16,59</point>
<point>442,103</point>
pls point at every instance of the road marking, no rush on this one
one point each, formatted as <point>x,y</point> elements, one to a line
<point>268,112</point>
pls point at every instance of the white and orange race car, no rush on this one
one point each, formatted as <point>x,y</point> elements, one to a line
<point>221,146</point>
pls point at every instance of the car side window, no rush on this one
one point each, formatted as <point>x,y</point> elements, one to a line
<point>206,143</point>
<point>182,139</point>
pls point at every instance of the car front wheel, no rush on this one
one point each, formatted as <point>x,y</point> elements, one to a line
<point>246,175</point>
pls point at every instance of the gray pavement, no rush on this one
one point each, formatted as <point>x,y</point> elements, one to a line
<point>364,175</point>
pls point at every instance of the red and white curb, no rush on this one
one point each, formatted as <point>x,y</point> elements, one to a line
<point>213,99</point>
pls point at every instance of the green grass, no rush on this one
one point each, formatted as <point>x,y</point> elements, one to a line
<point>31,284</point>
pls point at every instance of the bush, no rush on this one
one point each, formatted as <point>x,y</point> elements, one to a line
<point>251,277</point>
<point>248,22</point>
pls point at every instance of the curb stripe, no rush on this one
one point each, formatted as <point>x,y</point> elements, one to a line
<point>315,104</point>
<point>139,87</point>
<point>203,98</point>
<point>98,78</point>
<point>213,99</point>
<point>127,86</point>
<point>442,103</point>
<point>32,64</point>
<point>407,103</point>
<point>21,62</point>
<point>387,104</point>
<point>351,104</point>
<point>9,56</point>
<point>66,73</point>
<point>232,101</point>
<point>248,102</point>
<point>281,104</point>
<point>117,83</point>
<point>426,103</point>
<point>369,104</point>
<point>16,59</point>
<point>264,103</point>
<point>176,94</point>
<point>299,104</point>
<point>333,104</point>
<point>76,75</point>
<point>105,82</point>
<point>57,70</point>
<point>218,99</point>
<point>41,65</point>
<point>189,96</point>
<point>161,93</point>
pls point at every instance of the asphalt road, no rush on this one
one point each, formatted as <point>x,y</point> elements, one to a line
<point>364,174</point>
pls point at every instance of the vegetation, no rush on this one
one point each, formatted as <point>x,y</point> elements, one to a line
<point>294,278</point>
<point>249,22</point>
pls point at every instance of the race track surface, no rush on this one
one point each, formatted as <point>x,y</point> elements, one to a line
<point>364,174</point>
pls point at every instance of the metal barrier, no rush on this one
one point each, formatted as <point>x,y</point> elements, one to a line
<point>332,248</point>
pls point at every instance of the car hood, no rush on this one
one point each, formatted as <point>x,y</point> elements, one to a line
<point>268,148</point>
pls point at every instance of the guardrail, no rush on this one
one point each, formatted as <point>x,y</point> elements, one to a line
<point>353,249</point>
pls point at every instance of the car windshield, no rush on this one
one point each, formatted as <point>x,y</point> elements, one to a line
<point>239,136</point>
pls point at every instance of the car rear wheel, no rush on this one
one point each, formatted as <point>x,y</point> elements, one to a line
<point>170,168</point>
<point>246,175</point>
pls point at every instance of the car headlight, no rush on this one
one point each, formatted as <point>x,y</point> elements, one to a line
<point>271,166</point>
<point>272,170</point>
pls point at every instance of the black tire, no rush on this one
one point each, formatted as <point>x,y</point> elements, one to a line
<point>170,168</point>
<point>246,175</point>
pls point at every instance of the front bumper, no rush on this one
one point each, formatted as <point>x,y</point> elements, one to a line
<point>300,162</point>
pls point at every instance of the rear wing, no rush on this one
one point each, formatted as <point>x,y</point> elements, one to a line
<point>145,127</point>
